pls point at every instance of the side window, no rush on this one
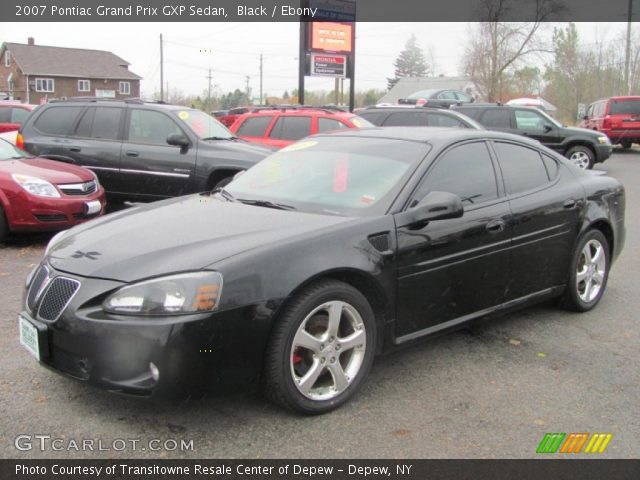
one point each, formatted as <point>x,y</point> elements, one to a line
<point>57,120</point>
<point>5,115</point>
<point>590,111</point>
<point>106,123</point>
<point>528,120</point>
<point>447,96</point>
<point>148,126</point>
<point>496,118</point>
<point>18,115</point>
<point>465,170</point>
<point>291,128</point>
<point>328,124</point>
<point>406,119</point>
<point>551,165</point>
<point>522,167</point>
<point>255,126</point>
<point>439,120</point>
<point>376,118</point>
<point>463,97</point>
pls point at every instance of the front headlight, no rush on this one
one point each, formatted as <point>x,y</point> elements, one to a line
<point>36,186</point>
<point>185,293</point>
<point>604,140</point>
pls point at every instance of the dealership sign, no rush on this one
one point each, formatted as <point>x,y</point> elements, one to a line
<point>334,37</point>
<point>334,10</point>
<point>328,65</point>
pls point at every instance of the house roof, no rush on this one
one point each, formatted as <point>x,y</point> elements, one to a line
<point>407,86</point>
<point>68,62</point>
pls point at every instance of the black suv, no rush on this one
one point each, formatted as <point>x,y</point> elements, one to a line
<point>409,116</point>
<point>583,147</point>
<point>140,151</point>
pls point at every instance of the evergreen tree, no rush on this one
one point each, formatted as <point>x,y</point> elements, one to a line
<point>410,62</point>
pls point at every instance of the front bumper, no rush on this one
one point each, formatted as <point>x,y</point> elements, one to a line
<point>603,151</point>
<point>220,352</point>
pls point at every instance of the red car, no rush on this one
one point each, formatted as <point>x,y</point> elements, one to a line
<point>37,194</point>
<point>279,127</point>
<point>12,114</point>
<point>616,117</point>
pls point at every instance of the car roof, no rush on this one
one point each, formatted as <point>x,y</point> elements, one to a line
<point>407,108</point>
<point>116,101</point>
<point>298,111</point>
<point>15,103</point>
<point>433,135</point>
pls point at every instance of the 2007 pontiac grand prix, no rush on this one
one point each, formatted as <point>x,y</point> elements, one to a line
<point>320,257</point>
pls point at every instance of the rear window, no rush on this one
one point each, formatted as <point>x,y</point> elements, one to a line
<point>496,118</point>
<point>57,120</point>
<point>291,128</point>
<point>18,115</point>
<point>376,118</point>
<point>328,124</point>
<point>522,168</point>
<point>441,120</point>
<point>624,107</point>
<point>255,126</point>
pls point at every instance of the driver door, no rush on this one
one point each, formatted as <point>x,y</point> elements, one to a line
<point>532,124</point>
<point>450,269</point>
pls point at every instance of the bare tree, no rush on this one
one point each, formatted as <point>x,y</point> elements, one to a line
<point>496,47</point>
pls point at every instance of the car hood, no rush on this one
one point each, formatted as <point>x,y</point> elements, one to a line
<point>584,131</point>
<point>50,170</point>
<point>241,148</point>
<point>181,234</point>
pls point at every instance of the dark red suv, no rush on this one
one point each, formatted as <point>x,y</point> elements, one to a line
<point>12,114</point>
<point>279,127</point>
<point>617,117</point>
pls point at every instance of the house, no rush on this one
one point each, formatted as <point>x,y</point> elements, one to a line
<point>36,73</point>
<point>408,85</point>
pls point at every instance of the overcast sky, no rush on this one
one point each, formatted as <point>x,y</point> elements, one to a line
<point>232,50</point>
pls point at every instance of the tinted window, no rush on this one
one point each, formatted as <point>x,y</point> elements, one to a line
<point>291,128</point>
<point>463,97</point>
<point>327,124</point>
<point>528,120</point>
<point>255,126</point>
<point>551,165</point>
<point>5,115</point>
<point>447,96</point>
<point>624,106</point>
<point>466,170</point>
<point>57,120</point>
<point>522,167</point>
<point>374,117</point>
<point>147,126</point>
<point>406,119</point>
<point>440,120</point>
<point>470,112</point>
<point>100,122</point>
<point>496,118</point>
<point>18,115</point>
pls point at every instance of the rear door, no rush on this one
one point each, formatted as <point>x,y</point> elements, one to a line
<point>254,128</point>
<point>150,167</point>
<point>288,129</point>
<point>500,119</point>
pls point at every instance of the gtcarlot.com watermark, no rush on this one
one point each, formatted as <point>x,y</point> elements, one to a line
<point>49,443</point>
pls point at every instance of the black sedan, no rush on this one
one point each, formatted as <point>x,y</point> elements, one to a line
<point>317,259</point>
<point>437,98</point>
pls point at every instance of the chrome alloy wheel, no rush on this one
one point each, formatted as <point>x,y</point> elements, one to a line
<point>328,350</point>
<point>580,159</point>
<point>590,274</point>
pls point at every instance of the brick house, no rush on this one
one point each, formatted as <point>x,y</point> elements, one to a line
<point>36,73</point>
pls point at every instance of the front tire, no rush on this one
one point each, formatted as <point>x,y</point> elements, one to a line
<point>4,227</point>
<point>626,144</point>
<point>321,349</point>
<point>581,156</point>
<point>589,272</point>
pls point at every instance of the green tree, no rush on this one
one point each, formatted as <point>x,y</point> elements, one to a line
<point>410,63</point>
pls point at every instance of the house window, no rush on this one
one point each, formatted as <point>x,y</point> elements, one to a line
<point>84,85</point>
<point>124,88</point>
<point>44,85</point>
<point>7,59</point>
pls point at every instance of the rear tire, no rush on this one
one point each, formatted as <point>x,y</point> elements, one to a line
<point>626,144</point>
<point>581,157</point>
<point>321,348</point>
<point>589,272</point>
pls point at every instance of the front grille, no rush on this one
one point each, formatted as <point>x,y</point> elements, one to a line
<point>37,283</point>
<point>56,298</point>
<point>85,188</point>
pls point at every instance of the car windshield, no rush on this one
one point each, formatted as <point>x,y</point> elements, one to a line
<point>9,152</point>
<point>631,107</point>
<point>422,94</point>
<point>203,125</point>
<point>350,176</point>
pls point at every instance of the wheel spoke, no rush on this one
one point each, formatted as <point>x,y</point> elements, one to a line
<point>354,340</point>
<point>598,276</point>
<point>587,290</point>
<point>596,256</point>
<point>305,340</point>
<point>335,314</point>
<point>582,275</point>
<point>308,381</point>
<point>340,381</point>
<point>586,251</point>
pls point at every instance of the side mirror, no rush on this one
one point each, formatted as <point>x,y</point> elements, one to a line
<point>547,128</point>
<point>178,140</point>
<point>472,99</point>
<point>434,206</point>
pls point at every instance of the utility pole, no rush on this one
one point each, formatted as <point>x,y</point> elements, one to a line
<point>627,59</point>
<point>161,71</point>
<point>247,87</point>
<point>209,94</point>
<point>260,79</point>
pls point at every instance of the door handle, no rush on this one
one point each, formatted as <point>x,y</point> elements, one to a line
<point>74,149</point>
<point>132,153</point>
<point>569,204</point>
<point>496,226</point>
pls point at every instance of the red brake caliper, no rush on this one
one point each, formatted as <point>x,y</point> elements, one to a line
<point>296,358</point>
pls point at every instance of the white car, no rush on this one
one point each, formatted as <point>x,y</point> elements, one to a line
<point>10,136</point>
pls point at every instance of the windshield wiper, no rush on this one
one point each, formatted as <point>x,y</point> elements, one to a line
<point>224,194</point>
<point>266,203</point>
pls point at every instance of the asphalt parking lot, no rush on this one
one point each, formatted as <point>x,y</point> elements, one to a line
<point>490,391</point>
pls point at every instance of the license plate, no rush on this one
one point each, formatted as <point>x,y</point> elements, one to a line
<point>92,207</point>
<point>29,336</point>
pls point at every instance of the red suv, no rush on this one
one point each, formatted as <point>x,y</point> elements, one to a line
<point>617,117</point>
<point>12,114</point>
<point>279,127</point>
